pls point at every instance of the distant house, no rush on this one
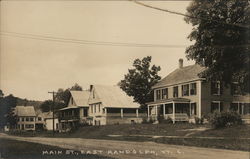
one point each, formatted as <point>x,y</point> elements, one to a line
<point>47,119</point>
<point>111,105</point>
<point>183,95</point>
<point>26,117</point>
<point>76,112</point>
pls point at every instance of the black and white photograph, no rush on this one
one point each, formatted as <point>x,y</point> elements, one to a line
<point>124,79</point>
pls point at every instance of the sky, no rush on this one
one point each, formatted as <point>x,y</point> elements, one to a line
<point>29,67</point>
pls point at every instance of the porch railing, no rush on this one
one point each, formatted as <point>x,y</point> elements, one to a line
<point>177,116</point>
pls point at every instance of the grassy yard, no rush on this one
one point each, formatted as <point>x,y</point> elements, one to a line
<point>234,137</point>
<point>25,150</point>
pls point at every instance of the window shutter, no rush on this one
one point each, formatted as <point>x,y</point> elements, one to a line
<point>221,88</point>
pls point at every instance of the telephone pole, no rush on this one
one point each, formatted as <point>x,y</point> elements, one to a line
<point>53,110</point>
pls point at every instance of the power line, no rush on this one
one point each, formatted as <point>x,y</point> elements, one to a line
<point>185,15</point>
<point>80,41</point>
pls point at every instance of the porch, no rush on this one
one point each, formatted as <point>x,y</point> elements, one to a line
<point>177,109</point>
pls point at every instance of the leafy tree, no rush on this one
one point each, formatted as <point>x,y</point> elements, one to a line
<point>221,33</point>
<point>1,93</point>
<point>11,118</point>
<point>139,80</point>
<point>64,95</point>
<point>47,106</point>
<point>7,103</point>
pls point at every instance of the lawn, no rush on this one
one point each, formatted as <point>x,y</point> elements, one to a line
<point>234,138</point>
<point>26,150</point>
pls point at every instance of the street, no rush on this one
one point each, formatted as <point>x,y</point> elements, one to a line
<point>135,150</point>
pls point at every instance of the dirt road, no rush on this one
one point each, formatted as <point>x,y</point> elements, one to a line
<point>134,150</point>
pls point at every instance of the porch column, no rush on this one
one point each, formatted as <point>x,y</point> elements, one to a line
<point>190,111</point>
<point>156,111</point>
<point>105,111</point>
<point>137,113</point>
<point>148,112</point>
<point>121,113</point>
<point>164,110</point>
<point>173,112</point>
<point>242,108</point>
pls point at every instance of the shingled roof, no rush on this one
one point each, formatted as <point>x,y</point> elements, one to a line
<point>25,111</point>
<point>80,97</point>
<point>114,97</point>
<point>181,75</point>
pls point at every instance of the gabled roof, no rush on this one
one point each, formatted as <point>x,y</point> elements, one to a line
<point>25,111</point>
<point>80,97</point>
<point>181,75</point>
<point>113,97</point>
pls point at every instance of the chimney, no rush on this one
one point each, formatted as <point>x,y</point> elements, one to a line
<point>180,63</point>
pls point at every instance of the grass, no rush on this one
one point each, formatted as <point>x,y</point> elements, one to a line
<point>233,135</point>
<point>26,150</point>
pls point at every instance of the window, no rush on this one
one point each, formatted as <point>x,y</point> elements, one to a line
<point>193,89</point>
<point>216,106</point>
<point>72,102</point>
<point>185,90</point>
<point>193,109</point>
<point>39,118</point>
<point>175,91</point>
<point>216,88</point>
<point>22,119</point>
<point>235,89</point>
<point>158,94</point>
<point>27,119</point>
<point>85,112</point>
<point>31,119</point>
<point>94,108</point>
<point>164,93</point>
<point>99,107</point>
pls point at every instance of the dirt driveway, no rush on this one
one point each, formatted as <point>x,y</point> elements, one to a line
<point>134,150</point>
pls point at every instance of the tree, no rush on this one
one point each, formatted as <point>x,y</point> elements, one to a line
<point>11,118</point>
<point>64,95</point>
<point>139,80</point>
<point>221,32</point>
<point>1,93</point>
<point>47,105</point>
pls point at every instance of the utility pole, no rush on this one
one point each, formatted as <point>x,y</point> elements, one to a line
<point>53,111</point>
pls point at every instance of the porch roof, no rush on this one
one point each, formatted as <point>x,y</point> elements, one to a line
<point>170,100</point>
<point>71,107</point>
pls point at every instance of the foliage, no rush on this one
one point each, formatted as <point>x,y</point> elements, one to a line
<point>221,33</point>
<point>1,93</point>
<point>198,120</point>
<point>7,103</point>
<point>139,80</point>
<point>225,119</point>
<point>166,121</point>
<point>47,105</point>
<point>11,118</point>
<point>64,95</point>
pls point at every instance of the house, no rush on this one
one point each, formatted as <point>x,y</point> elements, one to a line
<point>183,95</point>
<point>76,111</point>
<point>47,118</point>
<point>26,117</point>
<point>111,105</point>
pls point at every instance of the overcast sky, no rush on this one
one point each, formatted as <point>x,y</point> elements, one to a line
<point>31,67</point>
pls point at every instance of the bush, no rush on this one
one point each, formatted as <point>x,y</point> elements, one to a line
<point>225,119</point>
<point>199,121</point>
<point>146,121</point>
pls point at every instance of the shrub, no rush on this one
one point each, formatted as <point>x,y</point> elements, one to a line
<point>225,119</point>
<point>146,121</point>
<point>199,121</point>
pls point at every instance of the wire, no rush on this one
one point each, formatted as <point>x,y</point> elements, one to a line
<point>79,41</point>
<point>185,15</point>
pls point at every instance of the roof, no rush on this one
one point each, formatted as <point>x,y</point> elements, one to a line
<point>80,97</point>
<point>181,75</point>
<point>25,111</point>
<point>114,97</point>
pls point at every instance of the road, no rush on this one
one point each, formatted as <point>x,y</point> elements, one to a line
<point>134,150</point>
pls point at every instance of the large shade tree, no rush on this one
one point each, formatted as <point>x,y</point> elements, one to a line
<point>139,80</point>
<point>221,34</point>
